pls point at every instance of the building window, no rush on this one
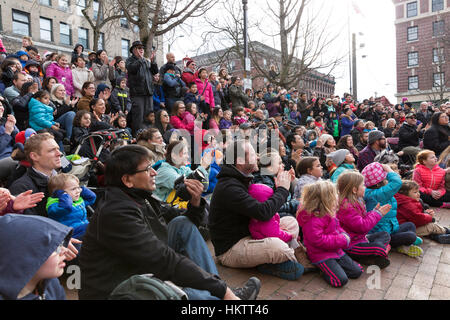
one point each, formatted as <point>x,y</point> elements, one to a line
<point>438,55</point>
<point>123,22</point>
<point>411,9</point>
<point>413,59</point>
<point>21,23</point>
<point>438,28</point>
<point>83,37</point>
<point>81,4</point>
<point>101,41</point>
<point>125,48</point>
<point>413,33</point>
<point>438,79</point>
<point>413,83</point>
<point>46,29</point>
<point>46,2</point>
<point>437,5</point>
<point>65,34</point>
<point>63,5</point>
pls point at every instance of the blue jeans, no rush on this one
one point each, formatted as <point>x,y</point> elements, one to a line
<point>185,239</point>
<point>66,122</point>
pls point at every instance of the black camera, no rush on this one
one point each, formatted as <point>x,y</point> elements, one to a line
<point>180,186</point>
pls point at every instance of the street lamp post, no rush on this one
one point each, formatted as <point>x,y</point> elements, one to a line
<point>246,58</point>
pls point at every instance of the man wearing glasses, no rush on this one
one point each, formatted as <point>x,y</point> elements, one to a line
<point>131,234</point>
<point>140,81</point>
<point>410,133</point>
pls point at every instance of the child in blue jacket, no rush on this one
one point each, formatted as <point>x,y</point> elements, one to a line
<point>382,184</point>
<point>68,202</point>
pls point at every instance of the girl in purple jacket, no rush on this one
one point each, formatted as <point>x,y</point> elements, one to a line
<point>357,222</point>
<point>323,237</point>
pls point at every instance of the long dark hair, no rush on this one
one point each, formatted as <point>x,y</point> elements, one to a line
<point>158,123</point>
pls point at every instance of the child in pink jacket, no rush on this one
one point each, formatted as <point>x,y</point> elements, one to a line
<point>61,70</point>
<point>271,228</point>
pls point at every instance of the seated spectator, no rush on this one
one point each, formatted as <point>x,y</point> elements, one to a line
<point>346,142</point>
<point>431,180</point>
<point>13,91</point>
<point>61,70</point>
<point>48,83</point>
<point>226,122</point>
<point>231,210</point>
<point>68,201</point>
<point>81,75</point>
<point>357,130</point>
<point>121,123</point>
<point>120,97</point>
<point>87,93</point>
<point>44,155</point>
<point>172,86</point>
<point>177,159</point>
<point>436,138</point>
<point>410,133</point>
<point>49,58</point>
<point>8,131</point>
<point>216,116</point>
<point>391,129</point>
<point>33,68</point>
<point>178,114</point>
<point>309,170</point>
<point>23,57</point>
<point>162,123</point>
<point>81,125</point>
<point>31,264</point>
<point>26,42</point>
<point>9,68</point>
<point>343,160</point>
<point>153,140</point>
<point>375,144</point>
<point>103,92</point>
<point>362,142</point>
<point>106,261</point>
<point>192,95</point>
<point>98,108</point>
<point>20,104</point>
<point>64,107</point>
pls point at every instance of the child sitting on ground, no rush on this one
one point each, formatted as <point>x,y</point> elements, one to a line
<point>382,184</point>
<point>68,202</point>
<point>357,222</point>
<point>410,209</point>
<point>323,237</point>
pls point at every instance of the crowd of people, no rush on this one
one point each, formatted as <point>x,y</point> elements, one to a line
<point>276,179</point>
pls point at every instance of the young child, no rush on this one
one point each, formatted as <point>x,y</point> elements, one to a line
<point>120,100</point>
<point>81,124</point>
<point>410,209</point>
<point>357,222</point>
<point>309,170</point>
<point>68,202</point>
<point>382,184</point>
<point>342,160</point>
<point>33,68</point>
<point>121,123</point>
<point>240,116</point>
<point>294,114</point>
<point>192,95</point>
<point>369,126</point>
<point>226,122</point>
<point>269,229</point>
<point>323,237</point>
<point>191,115</point>
<point>33,258</point>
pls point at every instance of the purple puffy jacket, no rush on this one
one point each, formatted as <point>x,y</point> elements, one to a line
<point>265,229</point>
<point>323,237</point>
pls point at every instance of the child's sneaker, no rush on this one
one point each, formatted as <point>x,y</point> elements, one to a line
<point>289,270</point>
<point>445,205</point>
<point>412,250</point>
<point>418,242</point>
<point>250,290</point>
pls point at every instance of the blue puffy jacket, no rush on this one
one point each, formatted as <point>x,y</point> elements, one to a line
<point>41,115</point>
<point>385,195</point>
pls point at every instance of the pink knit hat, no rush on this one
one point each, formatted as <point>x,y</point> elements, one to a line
<point>373,174</point>
<point>260,192</point>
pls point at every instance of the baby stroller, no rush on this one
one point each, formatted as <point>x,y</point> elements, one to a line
<point>92,151</point>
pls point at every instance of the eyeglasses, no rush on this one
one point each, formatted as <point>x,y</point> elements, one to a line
<point>149,167</point>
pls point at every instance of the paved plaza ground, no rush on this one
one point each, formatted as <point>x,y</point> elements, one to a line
<point>424,278</point>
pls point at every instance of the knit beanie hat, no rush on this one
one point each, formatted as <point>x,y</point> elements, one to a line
<point>374,136</point>
<point>325,137</point>
<point>373,174</point>
<point>260,192</point>
<point>338,157</point>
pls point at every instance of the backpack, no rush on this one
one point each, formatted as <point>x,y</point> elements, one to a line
<point>147,287</point>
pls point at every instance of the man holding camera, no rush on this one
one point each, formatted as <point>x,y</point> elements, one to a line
<point>140,81</point>
<point>131,233</point>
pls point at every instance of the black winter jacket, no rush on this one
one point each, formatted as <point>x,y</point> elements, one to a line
<point>140,76</point>
<point>232,208</point>
<point>436,138</point>
<point>127,236</point>
<point>408,136</point>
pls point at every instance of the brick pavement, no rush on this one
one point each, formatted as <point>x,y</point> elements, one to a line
<point>424,278</point>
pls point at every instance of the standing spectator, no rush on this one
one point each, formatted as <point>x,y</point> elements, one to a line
<point>236,93</point>
<point>172,86</point>
<point>216,87</point>
<point>26,41</point>
<point>92,56</point>
<point>178,115</point>
<point>120,69</point>
<point>424,114</point>
<point>206,91</point>
<point>81,75</point>
<point>437,137</point>
<point>120,98</point>
<point>49,58</point>
<point>140,81</point>
<point>77,53</point>
<point>103,69</point>
<point>190,72</point>
<point>362,143</point>
<point>159,99</point>
<point>347,121</point>
<point>62,71</point>
<point>170,58</point>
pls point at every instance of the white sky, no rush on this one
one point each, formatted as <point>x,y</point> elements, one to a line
<point>376,72</point>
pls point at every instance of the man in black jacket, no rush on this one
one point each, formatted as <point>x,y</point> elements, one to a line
<point>128,235</point>
<point>140,81</point>
<point>410,133</point>
<point>232,208</point>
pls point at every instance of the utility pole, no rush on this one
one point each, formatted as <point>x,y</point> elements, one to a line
<point>354,71</point>
<point>247,67</point>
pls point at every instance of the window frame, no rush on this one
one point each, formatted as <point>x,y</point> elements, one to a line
<point>128,42</point>
<point>416,58</point>
<point>51,29</point>
<point>86,45</point>
<point>408,33</point>
<point>14,11</point>
<point>69,35</point>
<point>441,79</point>
<point>435,3</point>
<point>408,9</point>
<point>409,82</point>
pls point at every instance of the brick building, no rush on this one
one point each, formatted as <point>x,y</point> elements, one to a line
<point>57,25</point>
<point>323,85</point>
<point>423,46</point>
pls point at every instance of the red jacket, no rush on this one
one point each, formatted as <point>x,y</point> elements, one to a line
<point>430,179</point>
<point>178,123</point>
<point>410,210</point>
